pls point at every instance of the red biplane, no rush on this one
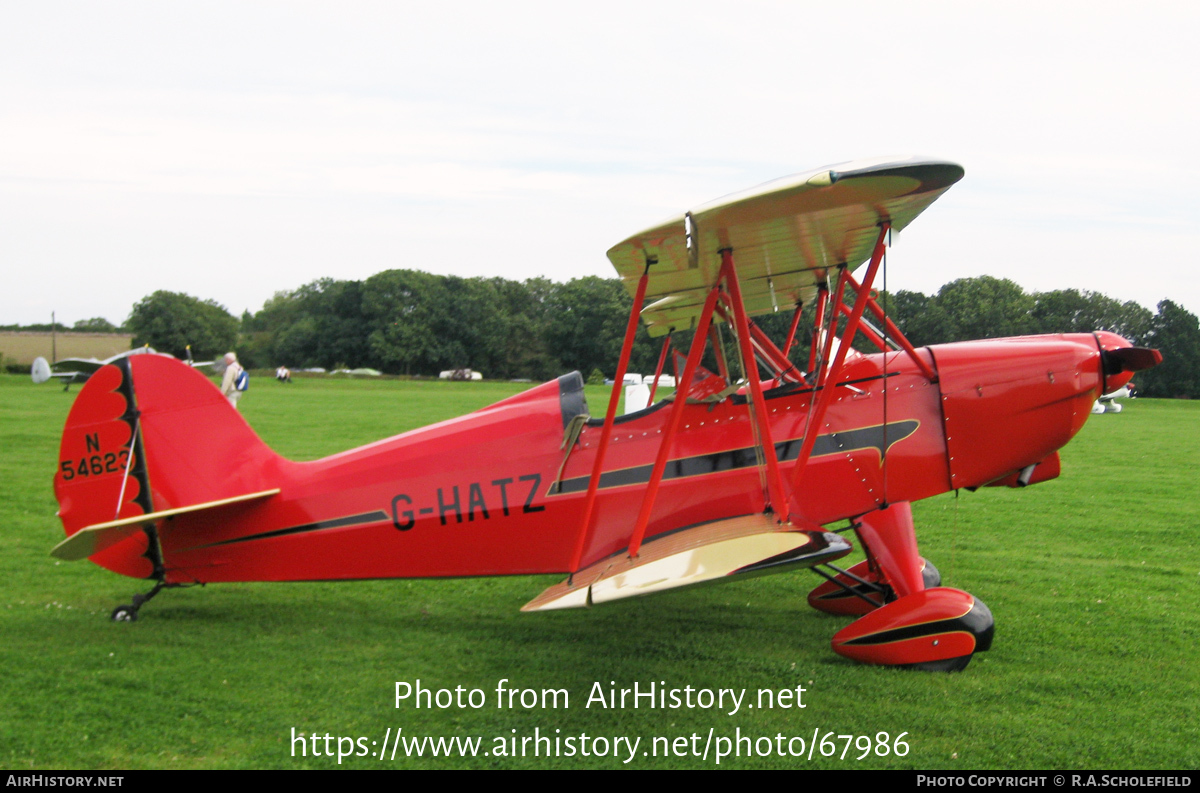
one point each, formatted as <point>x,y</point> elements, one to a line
<point>736,474</point>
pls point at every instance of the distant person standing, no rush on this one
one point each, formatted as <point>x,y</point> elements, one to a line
<point>235,379</point>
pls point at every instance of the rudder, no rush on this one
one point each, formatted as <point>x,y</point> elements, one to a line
<point>101,473</point>
<point>148,433</point>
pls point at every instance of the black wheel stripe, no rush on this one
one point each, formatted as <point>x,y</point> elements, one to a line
<point>955,625</point>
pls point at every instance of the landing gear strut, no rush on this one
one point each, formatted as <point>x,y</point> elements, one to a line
<point>905,618</point>
<point>861,589</point>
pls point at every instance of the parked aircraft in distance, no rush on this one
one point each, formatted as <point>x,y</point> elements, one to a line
<point>1109,404</point>
<point>459,374</point>
<point>78,370</point>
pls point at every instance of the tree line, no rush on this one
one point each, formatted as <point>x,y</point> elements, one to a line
<point>93,325</point>
<point>416,323</point>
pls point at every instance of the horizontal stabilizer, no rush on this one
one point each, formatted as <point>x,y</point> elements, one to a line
<point>736,547</point>
<point>93,539</point>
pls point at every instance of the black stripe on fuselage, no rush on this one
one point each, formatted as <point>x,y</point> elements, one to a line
<point>847,441</point>
<point>734,459</point>
<point>378,516</point>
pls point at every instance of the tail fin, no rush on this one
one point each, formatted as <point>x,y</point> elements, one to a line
<point>148,434</point>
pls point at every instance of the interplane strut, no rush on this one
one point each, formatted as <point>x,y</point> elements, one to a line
<point>725,301</point>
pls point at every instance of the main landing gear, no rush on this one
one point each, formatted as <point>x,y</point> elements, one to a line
<point>905,617</point>
<point>861,589</point>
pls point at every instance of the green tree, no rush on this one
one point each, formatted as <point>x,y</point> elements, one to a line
<point>588,327</point>
<point>94,325</point>
<point>340,326</point>
<point>319,324</point>
<point>920,318</point>
<point>984,307</point>
<point>169,321</point>
<point>1072,311</point>
<point>522,341</point>
<point>411,317</point>
<point>477,325</point>
<point>1175,332</point>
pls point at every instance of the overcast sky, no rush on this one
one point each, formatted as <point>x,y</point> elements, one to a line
<point>232,150</point>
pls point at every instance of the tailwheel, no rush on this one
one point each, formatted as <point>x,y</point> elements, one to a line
<point>125,614</point>
<point>861,589</point>
<point>937,629</point>
<point>129,613</point>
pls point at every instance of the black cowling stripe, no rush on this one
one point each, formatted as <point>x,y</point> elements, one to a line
<point>734,459</point>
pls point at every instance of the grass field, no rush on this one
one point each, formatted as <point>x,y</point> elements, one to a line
<point>1094,580</point>
<point>22,348</point>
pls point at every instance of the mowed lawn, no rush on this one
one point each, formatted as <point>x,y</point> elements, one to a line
<point>1094,580</point>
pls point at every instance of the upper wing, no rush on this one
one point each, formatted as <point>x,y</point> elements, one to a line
<point>75,370</point>
<point>785,235</point>
<point>80,369</point>
<point>86,366</point>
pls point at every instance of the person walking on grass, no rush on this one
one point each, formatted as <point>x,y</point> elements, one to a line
<point>235,380</point>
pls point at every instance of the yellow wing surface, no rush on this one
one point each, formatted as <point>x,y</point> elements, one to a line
<point>722,550</point>
<point>786,235</point>
<point>93,539</point>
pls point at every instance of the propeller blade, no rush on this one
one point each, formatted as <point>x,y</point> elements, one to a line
<point>1130,359</point>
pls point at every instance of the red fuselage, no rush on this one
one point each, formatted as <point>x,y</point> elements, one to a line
<point>481,494</point>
